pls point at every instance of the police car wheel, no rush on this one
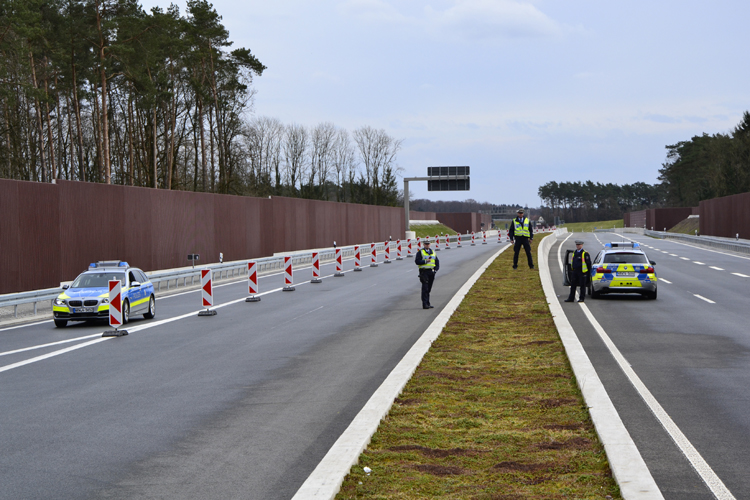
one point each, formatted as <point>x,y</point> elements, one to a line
<point>61,323</point>
<point>125,312</point>
<point>151,308</point>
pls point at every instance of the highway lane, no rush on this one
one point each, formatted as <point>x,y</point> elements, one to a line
<point>240,405</point>
<point>693,355</point>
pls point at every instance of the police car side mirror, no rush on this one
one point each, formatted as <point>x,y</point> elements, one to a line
<point>65,287</point>
<point>652,262</point>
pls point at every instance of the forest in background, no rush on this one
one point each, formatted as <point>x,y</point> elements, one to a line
<point>103,91</point>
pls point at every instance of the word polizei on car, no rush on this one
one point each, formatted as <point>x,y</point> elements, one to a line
<point>622,267</point>
<point>87,298</point>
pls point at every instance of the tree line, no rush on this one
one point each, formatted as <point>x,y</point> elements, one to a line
<point>708,166</point>
<point>589,201</point>
<point>103,91</point>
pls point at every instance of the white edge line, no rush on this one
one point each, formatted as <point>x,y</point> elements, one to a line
<point>713,482</point>
<point>325,481</point>
<point>42,346</point>
<point>627,464</point>
<point>52,354</point>
<point>559,250</point>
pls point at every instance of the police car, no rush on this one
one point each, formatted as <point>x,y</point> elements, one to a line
<point>622,267</point>
<point>87,298</point>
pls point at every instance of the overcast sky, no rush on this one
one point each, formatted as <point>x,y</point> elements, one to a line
<point>524,92</point>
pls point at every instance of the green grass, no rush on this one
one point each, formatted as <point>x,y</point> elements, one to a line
<point>492,412</point>
<point>424,230</point>
<point>587,227</point>
<point>687,226</point>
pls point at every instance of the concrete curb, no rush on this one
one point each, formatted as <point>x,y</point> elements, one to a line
<point>325,481</point>
<point>628,467</point>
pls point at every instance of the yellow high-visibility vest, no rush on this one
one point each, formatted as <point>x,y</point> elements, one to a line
<point>429,260</point>
<point>521,229</point>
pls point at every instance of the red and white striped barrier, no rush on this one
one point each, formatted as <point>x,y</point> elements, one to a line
<point>472,239</point>
<point>373,255</point>
<point>387,245</point>
<point>207,292</point>
<point>115,310</point>
<point>458,242</point>
<point>357,259</point>
<point>419,243</point>
<point>484,237</point>
<point>288,278</point>
<point>437,243</point>
<point>499,236</point>
<point>447,242</point>
<point>408,248</point>
<point>339,264</point>
<point>399,256</point>
<point>252,282</point>
<point>316,268</point>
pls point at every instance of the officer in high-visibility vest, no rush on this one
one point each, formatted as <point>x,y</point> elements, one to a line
<point>428,264</point>
<point>580,267</point>
<point>522,234</point>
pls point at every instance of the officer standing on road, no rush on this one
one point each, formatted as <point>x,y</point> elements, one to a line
<point>520,232</point>
<point>580,270</point>
<point>428,265</point>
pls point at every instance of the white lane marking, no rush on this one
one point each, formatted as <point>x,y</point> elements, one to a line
<point>717,268</point>
<point>699,263</point>
<point>663,251</point>
<point>741,275</point>
<point>41,346</point>
<point>52,354</point>
<point>673,255</point>
<point>704,470</point>
<point>684,258</point>
<point>657,249</point>
<point>704,298</point>
<point>25,325</point>
<point>665,281</point>
<point>559,251</point>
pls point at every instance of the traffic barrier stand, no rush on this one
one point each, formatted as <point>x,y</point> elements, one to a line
<point>252,282</point>
<point>398,250</point>
<point>387,252</point>
<point>447,242</point>
<point>408,248</point>
<point>419,243</point>
<point>373,255</point>
<point>437,243</point>
<point>339,264</point>
<point>357,259</point>
<point>499,236</point>
<point>288,278</point>
<point>472,239</point>
<point>115,310</point>
<point>484,237</point>
<point>458,241</point>
<point>207,292</point>
<point>316,268</point>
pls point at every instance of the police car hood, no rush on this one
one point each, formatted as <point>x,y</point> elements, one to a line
<point>76,293</point>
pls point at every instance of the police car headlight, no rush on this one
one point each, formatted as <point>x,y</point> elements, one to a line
<point>59,302</point>
<point>105,301</point>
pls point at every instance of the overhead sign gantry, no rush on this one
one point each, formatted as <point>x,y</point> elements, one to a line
<point>439,179</point>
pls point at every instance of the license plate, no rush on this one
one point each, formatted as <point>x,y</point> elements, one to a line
<point>84,310</point>
<point>626,275</point>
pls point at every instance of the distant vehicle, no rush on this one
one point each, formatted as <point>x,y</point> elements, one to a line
<point>620,268</point>
<point>87,298</point>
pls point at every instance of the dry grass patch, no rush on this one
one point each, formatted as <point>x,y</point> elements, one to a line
<point>492,412</point>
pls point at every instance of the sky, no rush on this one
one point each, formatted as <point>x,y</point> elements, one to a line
<point>523,92</point>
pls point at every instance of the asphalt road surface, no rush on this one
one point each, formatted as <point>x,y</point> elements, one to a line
<point>690,347</point>
<point>240,405</point>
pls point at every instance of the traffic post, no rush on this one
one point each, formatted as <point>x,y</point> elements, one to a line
<point>387,252</point>
<point>447,242</point>
<point>357,259</point>
<point>373,255</point>
<point>472,239</point>
<point>408,248</point>
<point>398,250</point>
<point>115,310</point>
<point>484,237</point>
<point>252,282</point>
<point>288,278</point>
<point>339,264</point>
<point>437,243</point>
<point>458,240</point>
<point>419,243</point>
<point>207,292</point>
<point>316,268</point>
<point>499,236</point>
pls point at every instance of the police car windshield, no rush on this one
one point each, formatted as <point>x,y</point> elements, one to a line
<point>97,280</point>
<point>625,258</point>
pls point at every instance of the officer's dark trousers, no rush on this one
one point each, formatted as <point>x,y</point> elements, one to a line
<point>522,241</point>
<point>577,279</point>
<point>427,277</point>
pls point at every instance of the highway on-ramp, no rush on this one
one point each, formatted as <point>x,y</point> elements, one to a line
<point>691,350</point>
<point>243,404</point>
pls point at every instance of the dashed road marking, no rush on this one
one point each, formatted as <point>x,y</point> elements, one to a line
<point>699,263</point>
<point>704,298</point>
<point>684,258</point>
<point>665,281</point>
<point>717,268</point>
<point>741,275</point>
<point>673,255</point>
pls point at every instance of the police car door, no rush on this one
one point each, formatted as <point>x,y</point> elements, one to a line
<point>567,267</point>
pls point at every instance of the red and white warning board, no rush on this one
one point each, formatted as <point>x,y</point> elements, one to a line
<point>288,279</point>
<point>252,278</point>
<point>316,264</point>
<point>115,303</point>
<point>207,288</point>
<point>357,257</point>
<point>339,261</point>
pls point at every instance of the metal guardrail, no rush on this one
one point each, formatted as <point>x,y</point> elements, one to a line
<point>168,280</point>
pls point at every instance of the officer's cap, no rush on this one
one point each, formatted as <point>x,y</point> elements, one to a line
<point>426,242</point>
<point>519,211</point>
<point>579,242</point>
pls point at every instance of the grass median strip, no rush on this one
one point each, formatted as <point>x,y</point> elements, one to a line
<point>493,410</point>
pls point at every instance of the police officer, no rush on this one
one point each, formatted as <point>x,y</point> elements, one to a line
<point>428,265</point>
<point>580,270</point>
<point>521,233</point>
